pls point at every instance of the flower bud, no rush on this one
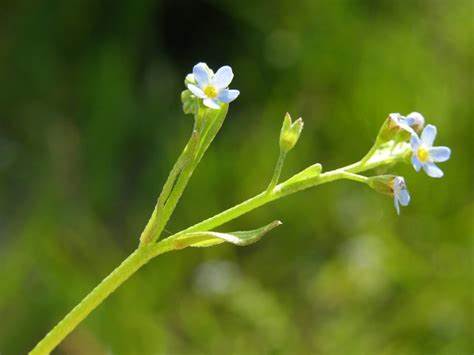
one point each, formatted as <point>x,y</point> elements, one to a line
<point>400,128</point>
<point>390,128</point>
<point>190,79</point>
<point>382,184</point>
<point>391,185</point>
<point>190,103</point>
<point>290,133</point>
<point>416,121</point>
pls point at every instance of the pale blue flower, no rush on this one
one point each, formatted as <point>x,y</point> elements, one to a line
<point>400,193</point>
<point>425,155</point>
<point>213,88</point>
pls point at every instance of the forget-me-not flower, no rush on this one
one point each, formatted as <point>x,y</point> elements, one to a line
<point>425,155</point>
<point>213,88</point>
<point>400,193</point>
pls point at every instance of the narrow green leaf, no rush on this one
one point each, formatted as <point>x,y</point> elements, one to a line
<point>310,172</point>
<point>207,239</point>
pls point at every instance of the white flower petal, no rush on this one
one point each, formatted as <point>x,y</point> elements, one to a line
<point>223,77</point>
<point>416,119</point>
<point>227,95</point>
<point>201,74</point>
<point>440,154</point>
<point>405,125</point>
<point>394,116</point>
<point>197,91</point>
<point>395,202</point>
<point>414,142</point>
<point>432,170</point>
<point>404,197</point>
<point>211,104</point>
<point>416,163</point>
<point>428,135</point>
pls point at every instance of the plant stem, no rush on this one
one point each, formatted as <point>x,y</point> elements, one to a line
<point>207,125</point>
<point>150,228</point>
<point>354,177</point>
<point>108,285</point>
<point>146,252</point>
<point>277,171</point>
<point>281,190</point>
<point>370,153</point>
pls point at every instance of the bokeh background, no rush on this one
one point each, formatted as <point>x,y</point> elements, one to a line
<point>91,122</point>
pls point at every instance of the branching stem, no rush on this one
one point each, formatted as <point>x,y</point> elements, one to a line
<point>146,252</point>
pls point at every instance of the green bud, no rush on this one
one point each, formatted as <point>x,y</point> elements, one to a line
<point>290,133</point>
<point>190,102</point>
<point>418,121</point>
<point>190,79</point>
<point>390,129</point>
<point>382,184</point>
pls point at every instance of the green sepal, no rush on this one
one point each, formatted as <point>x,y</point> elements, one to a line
<point>382,184</point>
<point>208,238</point>
<point>190,102</point>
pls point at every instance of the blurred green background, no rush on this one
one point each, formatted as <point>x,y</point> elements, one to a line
<point>91,122</point>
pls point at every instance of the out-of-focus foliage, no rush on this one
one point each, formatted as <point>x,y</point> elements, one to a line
<point>91,121</point>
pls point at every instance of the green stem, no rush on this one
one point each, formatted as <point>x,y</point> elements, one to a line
<point>146,252</point>
<point>108,285</point>
<point>284,189</point>
<point>277,171</point>
<point>207,125</point>
<point>370,153</point>
<point>354,177</point>
<point>150,228</point>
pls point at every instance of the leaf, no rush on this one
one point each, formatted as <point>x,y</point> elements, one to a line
<point>208,238</point>
<point>310,172</point>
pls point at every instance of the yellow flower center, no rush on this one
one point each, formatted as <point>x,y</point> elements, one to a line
<point>210,91</point>
<point>423,154</point>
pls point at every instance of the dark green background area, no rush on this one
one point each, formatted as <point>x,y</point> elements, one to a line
<point>91,122</point>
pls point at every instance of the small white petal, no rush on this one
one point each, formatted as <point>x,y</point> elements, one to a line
<point>440,154</point>
<point>414,142</point>
<point>432,170</point>
<point>197,91</point>
<point>201,74</point>
<point>211,104</point>
<point>394,116</point>
<point>428,135</point>
<point>227,96</point>
<point>395,202</point>
<point>416,119</point>
<point>409,121</point>
<point>416,163</point>
<point>223,77</point>
<point>404,197</point>
<point>405,125</point>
